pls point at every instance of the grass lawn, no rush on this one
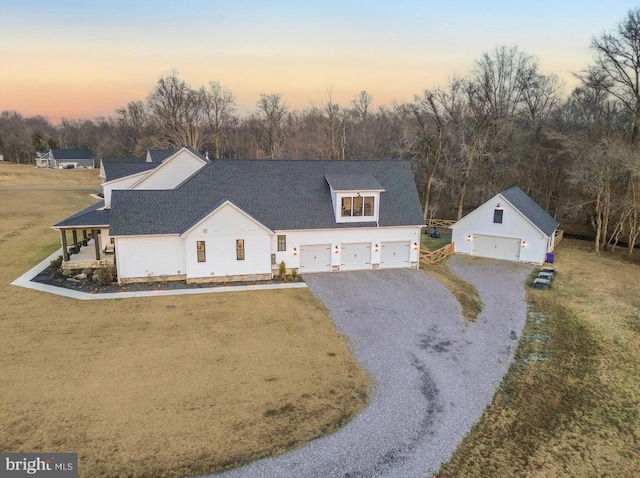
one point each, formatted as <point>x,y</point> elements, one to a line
<point>465,293</point>
<point>570,403</point>
<point>165,386</point>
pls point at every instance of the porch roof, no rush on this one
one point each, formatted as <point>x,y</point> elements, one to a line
<point>92,216</point>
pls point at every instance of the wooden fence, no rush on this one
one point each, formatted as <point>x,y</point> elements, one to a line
<point>558,237</point>
<point>431,257</point>
<point>440,223</point>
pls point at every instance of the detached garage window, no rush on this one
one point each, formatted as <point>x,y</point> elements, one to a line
<point>202,254</point>
<point>497,215</point>
<point>282,242</point>
<point>240,249</point>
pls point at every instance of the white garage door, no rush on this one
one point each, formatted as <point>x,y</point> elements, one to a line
<point>356,255</point>
<point>506,248</point>
<point>315,258</point>
<point>394,254</point>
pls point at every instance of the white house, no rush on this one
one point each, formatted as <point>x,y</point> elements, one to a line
<point>509,226</point>
<point>189,218</point>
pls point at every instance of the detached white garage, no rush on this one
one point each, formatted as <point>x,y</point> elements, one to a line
<point>510,226</point>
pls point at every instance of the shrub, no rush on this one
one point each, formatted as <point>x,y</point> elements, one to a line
<point>294,274</point>
<point>57,263</point>
<point>106,274</point>
<point>282,270</point>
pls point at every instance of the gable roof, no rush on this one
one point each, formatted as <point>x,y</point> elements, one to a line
<point>116,168</point>
<point>280,194</point>
<point>159,155</point>
<point>531,210</point>
<point>93,215</point>
<point>77,153</point>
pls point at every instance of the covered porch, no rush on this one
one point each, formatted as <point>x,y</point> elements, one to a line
<point>83,249</point>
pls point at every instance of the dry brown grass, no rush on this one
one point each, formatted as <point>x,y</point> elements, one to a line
<point>570,404</point>
<point>163,386</point>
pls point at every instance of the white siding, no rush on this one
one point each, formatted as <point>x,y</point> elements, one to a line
<point>336,237</point>
<point>171,172</point>
<point>120,184</point>
<point>145,256</point>
<point>220,232</point>
<point>514,225</point>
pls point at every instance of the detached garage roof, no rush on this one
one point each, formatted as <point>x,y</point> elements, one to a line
<point>531,210</point>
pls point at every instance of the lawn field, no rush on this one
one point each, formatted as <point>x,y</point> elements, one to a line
<point>570,403</point>
<point>166,386</point>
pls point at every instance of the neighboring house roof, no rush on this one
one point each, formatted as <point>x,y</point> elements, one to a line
<point>353,182</point>
<point>116,168</point>
<point>93,215</point>
<point>71,153</point>
<point>280,194</point>
<point>531,210</point>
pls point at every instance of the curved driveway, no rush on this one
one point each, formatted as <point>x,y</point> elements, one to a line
<point>433,372</point>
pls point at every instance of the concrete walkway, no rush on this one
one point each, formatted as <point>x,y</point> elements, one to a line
<point>25,281</point>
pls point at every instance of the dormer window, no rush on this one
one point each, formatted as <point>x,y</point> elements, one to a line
<point>355,206</point>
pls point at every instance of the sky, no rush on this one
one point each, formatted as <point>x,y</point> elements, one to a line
<point>82,59</point>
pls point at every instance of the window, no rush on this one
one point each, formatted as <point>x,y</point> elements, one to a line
<point>368,206</point>
<point>497,216</point>
<point>357,206</point>
<point>240,249</point>
<point>282,242</point>
<point>202,254</point>
<point>346,207</point>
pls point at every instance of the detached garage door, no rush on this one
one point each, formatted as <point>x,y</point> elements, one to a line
<point>356,256</point>
<point>506,248</point>
<point>394,254</point>
<point>315,258</point>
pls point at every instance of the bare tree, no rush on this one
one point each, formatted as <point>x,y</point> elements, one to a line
<point>178,112</point>
<point>617,66</point>
<point>272,112</point>
<point>219,109</point>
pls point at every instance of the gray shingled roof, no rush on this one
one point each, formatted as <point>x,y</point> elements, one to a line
<point>353,182</point>
<point>77,153</point>
<point>116,168</point>
<point>159,155</point>
<point>531,210</point>
<point>90,216</point>
<point>280,194</point>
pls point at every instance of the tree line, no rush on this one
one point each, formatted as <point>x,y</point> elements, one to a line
<point>503,124</point>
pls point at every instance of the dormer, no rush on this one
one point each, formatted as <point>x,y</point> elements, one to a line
<point>355,197</point>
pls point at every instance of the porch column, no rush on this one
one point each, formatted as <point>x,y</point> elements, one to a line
<point>75,238</point>
<point>65,252</point>
<point>96,240</point>
<point>84,234</point>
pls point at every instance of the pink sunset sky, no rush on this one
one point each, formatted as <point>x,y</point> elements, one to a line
<point>83,59</point>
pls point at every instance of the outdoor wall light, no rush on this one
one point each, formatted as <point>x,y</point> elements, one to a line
<point>337,249</point>
<point>524,244</point>
<point>415,246</point>
<point>375,248</point>
<point>469,237</point>
<point>295,251</point>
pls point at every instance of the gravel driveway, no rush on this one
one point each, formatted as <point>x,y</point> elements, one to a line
<point>433,372</point>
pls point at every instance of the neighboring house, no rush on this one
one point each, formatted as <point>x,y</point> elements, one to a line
<point>509,226</point>
<point>65,158</point>
<point>188,218</point>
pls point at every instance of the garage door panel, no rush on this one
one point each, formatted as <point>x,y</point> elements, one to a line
<point>495,247</point>
<point>355,256</point>
<point>394,254</point>
<point>315,258</point>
